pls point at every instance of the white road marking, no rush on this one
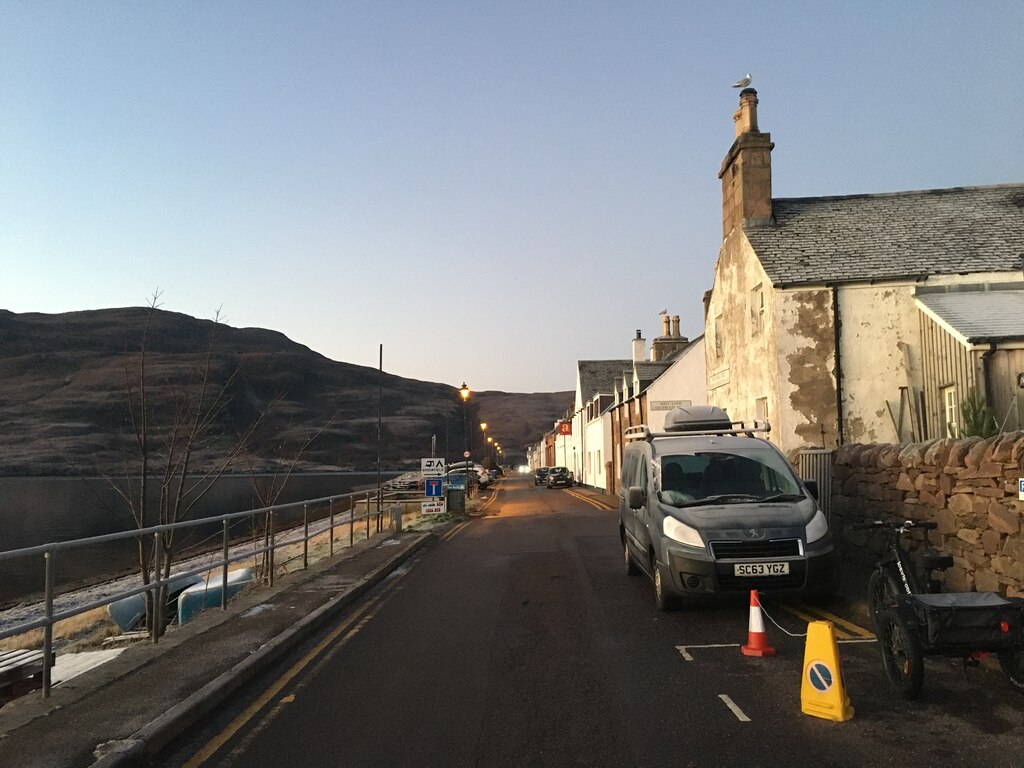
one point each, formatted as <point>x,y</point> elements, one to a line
<point>684,649</point>
<point>735,710</point>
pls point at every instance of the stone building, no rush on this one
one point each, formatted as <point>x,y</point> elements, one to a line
<point>612,395</point>
<point>853,318</point>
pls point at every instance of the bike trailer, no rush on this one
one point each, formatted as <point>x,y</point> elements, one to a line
<point>967,621</point>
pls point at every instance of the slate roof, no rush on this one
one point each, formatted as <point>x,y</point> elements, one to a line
<point>887,236</point>
<point>979,316</point>
<point>599,376</point>
<point>648,371</point>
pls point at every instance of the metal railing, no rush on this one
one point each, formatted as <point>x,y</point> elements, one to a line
<point>156,587</point>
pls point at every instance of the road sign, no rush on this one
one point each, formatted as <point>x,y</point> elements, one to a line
<point>432,507</point>
<point>434,487</point>
<point>465,454</point>
<point>819,676</point>
<point>432,467</point>
<point>565,427</point>
<point>1020,489</point>
<point>667,405</point>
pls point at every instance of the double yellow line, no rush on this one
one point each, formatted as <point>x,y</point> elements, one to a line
<point>588,500</point>
<point>844,629</point>
<point>348,629</point>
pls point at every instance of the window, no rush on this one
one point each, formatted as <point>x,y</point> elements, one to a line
<point>756,311</point>
<point>761,409</point>
<point>951,410</point>
<point>629,468</point>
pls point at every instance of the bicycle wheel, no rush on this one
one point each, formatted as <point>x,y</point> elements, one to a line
<point>882,591</point>
<point>1012,663</point>
<point>901,654</point>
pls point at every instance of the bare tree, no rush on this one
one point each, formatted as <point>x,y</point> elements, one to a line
<point>171,419</point>
<point>268,489</point>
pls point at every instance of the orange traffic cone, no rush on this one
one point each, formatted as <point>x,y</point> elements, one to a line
<point>757,640</point>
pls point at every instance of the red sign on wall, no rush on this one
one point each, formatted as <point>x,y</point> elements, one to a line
<point>565,427</point>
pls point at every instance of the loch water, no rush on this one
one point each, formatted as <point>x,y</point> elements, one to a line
<point>42,510</point>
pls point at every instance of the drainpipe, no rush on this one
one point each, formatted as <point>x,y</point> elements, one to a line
<point>837,326</point>
<point>986,369</point>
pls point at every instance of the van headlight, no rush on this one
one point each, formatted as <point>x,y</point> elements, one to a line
<point>681,532</point>
<point>817,528</point>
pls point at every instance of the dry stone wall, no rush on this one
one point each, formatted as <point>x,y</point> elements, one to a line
<point>969,487</point>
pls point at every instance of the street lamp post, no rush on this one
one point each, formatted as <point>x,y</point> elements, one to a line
<point>464,393</point>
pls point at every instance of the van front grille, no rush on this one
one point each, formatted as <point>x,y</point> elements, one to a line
<point>755,550</point>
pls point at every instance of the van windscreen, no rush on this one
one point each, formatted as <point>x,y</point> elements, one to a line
<point>693,477</point>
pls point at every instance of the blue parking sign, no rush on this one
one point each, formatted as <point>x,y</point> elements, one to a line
<point>434,486</point>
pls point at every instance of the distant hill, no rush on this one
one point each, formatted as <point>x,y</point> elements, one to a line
<point>63,402</point>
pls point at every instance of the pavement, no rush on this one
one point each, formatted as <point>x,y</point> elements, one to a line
<point>125,711</point>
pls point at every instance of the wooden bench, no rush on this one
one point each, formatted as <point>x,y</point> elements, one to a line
<point>20,672</point>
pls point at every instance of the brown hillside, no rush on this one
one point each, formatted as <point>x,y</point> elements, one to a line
<point>63,403</point>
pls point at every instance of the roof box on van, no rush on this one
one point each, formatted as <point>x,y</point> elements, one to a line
<point>697,418</point>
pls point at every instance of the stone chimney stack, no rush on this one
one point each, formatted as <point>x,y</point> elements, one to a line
<point>747,171</point>
<point>639,347</point>
<point>670,341</point>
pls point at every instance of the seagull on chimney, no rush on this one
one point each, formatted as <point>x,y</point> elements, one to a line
<point>663,312</point>
<point>742,83</point>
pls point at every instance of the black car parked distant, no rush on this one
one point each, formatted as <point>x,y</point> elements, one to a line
<point>540,476</point>
<point>559,477</point>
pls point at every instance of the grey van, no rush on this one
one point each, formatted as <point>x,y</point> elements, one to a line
<point>707,508</point>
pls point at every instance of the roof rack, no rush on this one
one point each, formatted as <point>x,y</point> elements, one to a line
<point>643,432</point>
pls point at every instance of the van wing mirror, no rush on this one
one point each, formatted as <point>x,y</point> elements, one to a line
<point>635,497</point>
<point>812,486</point>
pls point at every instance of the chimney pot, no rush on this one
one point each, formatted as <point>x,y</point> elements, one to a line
<point>746,172</point>
<point>675,325</point>
<point>664,325</point>
<point>746,115</point>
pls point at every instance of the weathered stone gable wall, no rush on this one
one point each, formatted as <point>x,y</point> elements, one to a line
<point>969,487</point>
<point>742,366</point>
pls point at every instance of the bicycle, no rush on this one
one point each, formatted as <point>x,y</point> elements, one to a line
<point>913,618</point>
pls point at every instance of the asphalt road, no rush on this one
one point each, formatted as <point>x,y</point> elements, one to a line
<point>518,640</point>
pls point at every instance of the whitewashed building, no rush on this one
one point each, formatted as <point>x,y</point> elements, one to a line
<point>824,319</point>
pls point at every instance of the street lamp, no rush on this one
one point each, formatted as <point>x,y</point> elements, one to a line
<point>464,393</point>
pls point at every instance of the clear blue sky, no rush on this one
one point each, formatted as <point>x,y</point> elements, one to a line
<point>490,190</point>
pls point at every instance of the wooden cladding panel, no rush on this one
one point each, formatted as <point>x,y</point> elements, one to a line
<point>945,362</point>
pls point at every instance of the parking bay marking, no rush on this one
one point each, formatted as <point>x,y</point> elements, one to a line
<point>735,709</point>
<point>684,650</point>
